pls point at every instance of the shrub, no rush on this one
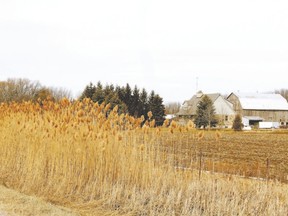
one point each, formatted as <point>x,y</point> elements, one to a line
<point>237,123</point>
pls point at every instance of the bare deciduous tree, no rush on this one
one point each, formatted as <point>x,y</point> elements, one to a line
<point>24,90</point>
<point>18,90</point>
<point>172,108</point>
<point>283,92</point>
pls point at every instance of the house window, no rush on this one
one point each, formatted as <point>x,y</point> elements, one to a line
<point>226,118</point>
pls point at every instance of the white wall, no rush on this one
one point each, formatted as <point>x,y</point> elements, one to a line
<point>222,107</point>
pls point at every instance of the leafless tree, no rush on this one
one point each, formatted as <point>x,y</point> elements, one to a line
<point>283,92</point>
<point>24,90</point>
<point>172,108</point>
<point>18,90</point>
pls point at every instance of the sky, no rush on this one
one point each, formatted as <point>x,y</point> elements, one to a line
<point>172,47</point>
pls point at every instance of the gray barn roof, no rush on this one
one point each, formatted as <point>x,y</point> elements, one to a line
<point>257,101</point>
<point>189,107</point>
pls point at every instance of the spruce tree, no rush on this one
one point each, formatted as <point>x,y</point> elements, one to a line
<point>128,98</point>
<point>129,101</point>
<point>136,106</point>
<point>113,99</point>
<point>157,108</point>
<point>205,113</point>
<point>99,95</point>
<point>120,92</point>
<point>144,103</point>
<point>88,91</point>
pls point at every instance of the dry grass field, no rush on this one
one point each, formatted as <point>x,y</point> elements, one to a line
<point>13,203</point>
<point>85,157</point>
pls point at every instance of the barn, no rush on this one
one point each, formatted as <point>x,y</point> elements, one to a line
<point>257,107</point>
<point>223,109</point>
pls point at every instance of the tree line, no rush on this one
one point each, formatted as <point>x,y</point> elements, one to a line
<point>19,90</point>
<point>134,101</point>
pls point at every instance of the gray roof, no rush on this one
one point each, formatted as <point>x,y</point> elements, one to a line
<point>189,107</point>
<point>258,101</point>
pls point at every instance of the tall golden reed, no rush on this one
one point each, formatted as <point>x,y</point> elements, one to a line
<point>86,156</point>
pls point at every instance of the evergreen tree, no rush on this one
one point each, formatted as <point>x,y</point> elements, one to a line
<point>120,92</point>
<point>144,103</point>
<point>237,123</point>
<point>99,95</point>
<point>128,98</point>
<point>205,113</point>
<point>157,108</point>
<point>88,91</point>
<point>113,99</point>
<point>109,89</point>
<point>135,104</point>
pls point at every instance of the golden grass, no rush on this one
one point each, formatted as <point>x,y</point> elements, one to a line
<point>83,156</point>
<point>12,203</point>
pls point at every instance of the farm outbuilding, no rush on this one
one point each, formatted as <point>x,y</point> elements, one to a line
<point>258,107</point>
<point>223,109</point>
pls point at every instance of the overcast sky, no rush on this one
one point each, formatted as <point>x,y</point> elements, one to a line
<point>159,45</point>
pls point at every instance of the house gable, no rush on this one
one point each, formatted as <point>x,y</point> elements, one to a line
<point>222,106</point>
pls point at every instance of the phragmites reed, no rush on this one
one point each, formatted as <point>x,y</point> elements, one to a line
<point>190,125</point>
<point>218,135</point>
<point>145,127</point>
<point>88,157</point>
<point>149,114</point>
<point>166,123</point>
<point>152,123</point>
<point>200,135</point>
<point>142,118</point>
<point>173,124</point>
<point>107,107</point>
<point>115,109</point>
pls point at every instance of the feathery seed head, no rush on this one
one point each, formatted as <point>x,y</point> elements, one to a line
<point>218,135</point>
<point>152,123</point>
<point>150,114</point>
<point>107,107</point>
<point>166,123</point>
<point>115,109</point>
<point>190,125</point>
<point>200,135</point>
<point>173,124</point>
<point>142,118</point>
